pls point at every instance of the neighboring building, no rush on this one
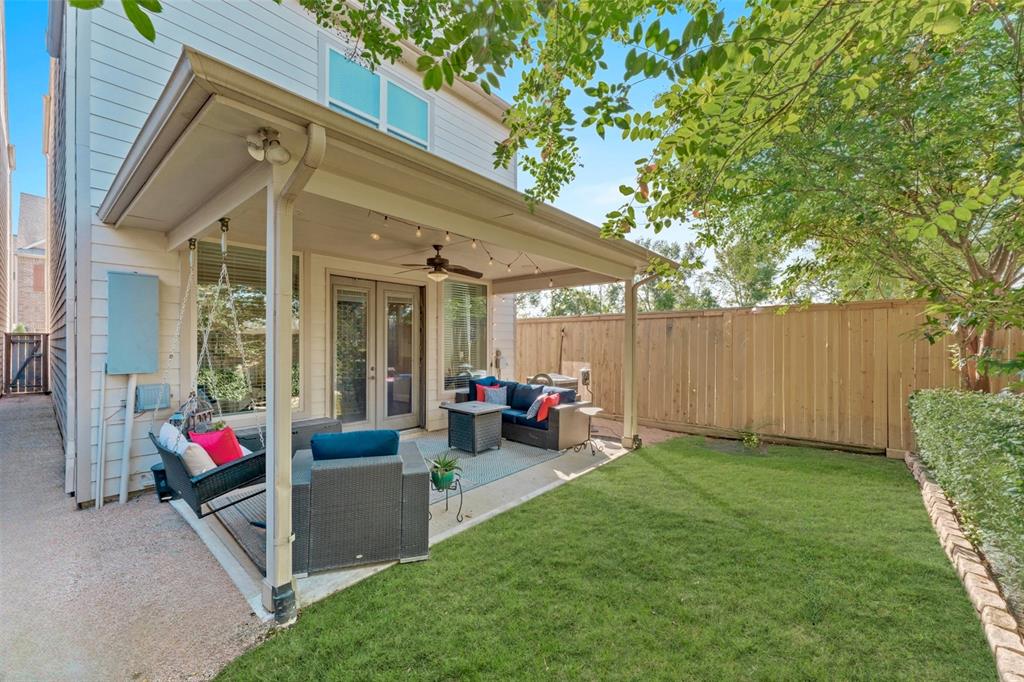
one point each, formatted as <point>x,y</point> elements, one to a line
<point>28,283</point>
<point>6,168</point>
<point>336,181</point>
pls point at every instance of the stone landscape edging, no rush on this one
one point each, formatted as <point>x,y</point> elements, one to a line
<point>1002,630</point>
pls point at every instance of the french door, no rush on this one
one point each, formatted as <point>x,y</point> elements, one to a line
<point>377,357</point>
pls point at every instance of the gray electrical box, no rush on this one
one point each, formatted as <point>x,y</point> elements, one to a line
<point>133,323</point>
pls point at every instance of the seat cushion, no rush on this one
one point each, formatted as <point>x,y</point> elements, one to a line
<point>352,444</point>
<point>510,415</point>
<point>523,420</point>
<point>524,395</point>
<point>566,396</point>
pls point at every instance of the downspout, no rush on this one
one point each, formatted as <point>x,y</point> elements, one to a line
<point>279,591</point>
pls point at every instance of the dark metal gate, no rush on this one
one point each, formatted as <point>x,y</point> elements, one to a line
<point>26,363</point>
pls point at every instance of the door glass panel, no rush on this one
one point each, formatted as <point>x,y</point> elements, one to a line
<point>350,356</point>
<point>400,349</point>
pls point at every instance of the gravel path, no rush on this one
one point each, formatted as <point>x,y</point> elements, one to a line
<point>119,593</point>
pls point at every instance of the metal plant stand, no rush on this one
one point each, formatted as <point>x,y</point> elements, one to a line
<point>455,486</point>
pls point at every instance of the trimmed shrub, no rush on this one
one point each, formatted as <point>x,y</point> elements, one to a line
<point>973,443</point>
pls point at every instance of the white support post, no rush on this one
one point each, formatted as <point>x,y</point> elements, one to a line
<point>629,394</point>
<point>278,591</point>
<point>286,182</point>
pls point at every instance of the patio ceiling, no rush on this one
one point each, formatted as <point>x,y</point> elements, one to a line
<point>189,166</point>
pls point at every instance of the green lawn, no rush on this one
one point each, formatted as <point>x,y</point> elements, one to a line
<point>676,562</point>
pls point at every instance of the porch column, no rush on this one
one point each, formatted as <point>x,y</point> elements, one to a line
<point>285,184</point>
<point>629,394</point>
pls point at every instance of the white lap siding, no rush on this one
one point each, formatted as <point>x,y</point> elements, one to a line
<point>120,75</point>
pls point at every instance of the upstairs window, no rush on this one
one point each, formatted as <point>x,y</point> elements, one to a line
<point>376,101</point>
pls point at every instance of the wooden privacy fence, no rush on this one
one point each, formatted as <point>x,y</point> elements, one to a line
<point>828,373</point>
<point>26,363</point>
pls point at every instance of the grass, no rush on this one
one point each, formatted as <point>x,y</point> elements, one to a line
<point>676,562</point>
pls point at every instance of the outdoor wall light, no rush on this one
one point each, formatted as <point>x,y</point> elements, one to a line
<point>264,145</point>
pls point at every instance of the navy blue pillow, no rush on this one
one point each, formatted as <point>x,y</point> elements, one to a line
<point>485,381</point>
<point>524,395</point>
<point>510,388</point>
<point>566,396</point>
<point>354,444</point>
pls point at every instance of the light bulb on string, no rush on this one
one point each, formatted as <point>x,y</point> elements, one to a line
<point>473,244</point>
<point>419,231</point>
<point>447,236</point>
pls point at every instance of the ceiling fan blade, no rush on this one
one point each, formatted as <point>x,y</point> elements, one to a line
<point>416,266</point>
<point>459,270</point>
<point>402,272</point>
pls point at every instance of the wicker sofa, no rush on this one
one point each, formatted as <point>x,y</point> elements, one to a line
<point>359,510</point>
<point>564,428</point>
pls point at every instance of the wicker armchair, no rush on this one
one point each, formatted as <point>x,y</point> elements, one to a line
<point>347,512</point>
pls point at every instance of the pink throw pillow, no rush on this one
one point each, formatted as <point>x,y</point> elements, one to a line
<point>222,446</point>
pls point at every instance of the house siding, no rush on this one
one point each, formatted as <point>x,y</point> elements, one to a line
<point>57,243</point>
<point>120,76</point>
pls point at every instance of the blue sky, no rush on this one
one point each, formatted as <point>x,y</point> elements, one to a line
<point>607,163</point>
<point>28,74</point>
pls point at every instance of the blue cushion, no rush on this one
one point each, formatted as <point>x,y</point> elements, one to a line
<point>510,415</point>
<point>484,381</point>
<point>532,423</point>
<point>354,444</point>
<point>524,395</point>
<point>566,396</point>
<point>510,388</point>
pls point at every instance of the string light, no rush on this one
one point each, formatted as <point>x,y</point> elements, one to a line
<point>374,236</point>
<point>490,261</point>
<point>447,236</point>
<point>419,231</point>
<point>473,244</point>
<point>509,267</point>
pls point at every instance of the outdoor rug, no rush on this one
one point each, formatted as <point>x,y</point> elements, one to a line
<point>487,467</point>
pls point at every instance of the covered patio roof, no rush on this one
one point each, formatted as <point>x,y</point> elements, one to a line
<point>189,166</point>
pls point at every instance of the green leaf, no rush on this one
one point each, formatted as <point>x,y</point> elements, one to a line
<point>946,25</point>
<point>86,4</point>
<point>946,222</point>
<point>711,108</point>
<point>962,214</point>
<point>625,190</point>
<point>143,24</point>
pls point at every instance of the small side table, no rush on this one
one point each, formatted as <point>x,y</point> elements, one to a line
<point>591,412</point>
<point>474,426</point>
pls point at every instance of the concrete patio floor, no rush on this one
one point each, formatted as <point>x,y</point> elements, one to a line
<point>122,592</point>
<point>131,592</point>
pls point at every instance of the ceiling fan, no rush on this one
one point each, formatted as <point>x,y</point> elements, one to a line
<point>438,267</point>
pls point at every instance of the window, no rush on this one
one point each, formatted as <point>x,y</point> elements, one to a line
<point>378,102</point>
<point>222,370</point>
<point>465,332</point>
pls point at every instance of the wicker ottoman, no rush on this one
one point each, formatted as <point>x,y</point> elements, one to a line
<point>474,426</point>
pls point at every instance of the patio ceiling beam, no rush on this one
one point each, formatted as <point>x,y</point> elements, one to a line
<point>547,280</point>
<point>219,204</point>
<point>401,204</point>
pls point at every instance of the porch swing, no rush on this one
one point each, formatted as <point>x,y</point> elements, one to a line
<point>196,412</point>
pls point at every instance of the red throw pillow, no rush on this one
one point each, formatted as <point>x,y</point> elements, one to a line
<point>550,400</point>
<point>479,393</point>
<point>222,445</point>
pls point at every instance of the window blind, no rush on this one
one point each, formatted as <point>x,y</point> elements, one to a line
<point>407,116</point>
<point>465,332</point>
<point>221,376</point>
<point>354,89</point>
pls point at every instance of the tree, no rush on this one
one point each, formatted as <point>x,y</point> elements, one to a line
<point>745,271</point>
<point>672,291</point>
<point>137,12</point>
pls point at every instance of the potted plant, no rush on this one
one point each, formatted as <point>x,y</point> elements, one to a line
<point>443,470</point>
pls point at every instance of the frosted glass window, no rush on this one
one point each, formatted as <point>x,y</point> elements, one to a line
<point>354,90</point>
<point>407,115</point>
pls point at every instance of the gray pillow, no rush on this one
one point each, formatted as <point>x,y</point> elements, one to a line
<point>495,396</point>
<point>535,407</point>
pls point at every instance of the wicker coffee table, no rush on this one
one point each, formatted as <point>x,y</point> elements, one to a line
<point>474,426</point>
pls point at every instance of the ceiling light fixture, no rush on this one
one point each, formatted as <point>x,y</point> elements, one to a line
<point>438,275</point>
<point>264,146</point>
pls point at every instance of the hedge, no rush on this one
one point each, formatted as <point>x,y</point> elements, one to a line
<point>973,443</point>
